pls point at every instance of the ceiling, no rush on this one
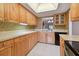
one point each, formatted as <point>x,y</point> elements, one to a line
<point>43,9</point>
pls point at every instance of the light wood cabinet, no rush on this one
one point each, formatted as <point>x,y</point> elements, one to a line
<point>42,37</point>
<point>5,51</point>
<point>11,12</point>
<point>24,44</point>
<point>7,12</point>
<point>7,48</point>
<point>32,40</point>
<point>74,11</point>
<point>31,19</point>
<point>47,37</point>
<point>51,37</point>
<point>62,47</point>
<point>19,46</point>
<point>1,44</point>
<point>59,19</point>
<point>1,11</point>
<point>10,44</point>
<point>34,20</point>
<point>15,12</point>
<point>23,14</point>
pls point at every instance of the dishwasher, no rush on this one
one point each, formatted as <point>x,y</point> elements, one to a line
<point>57,37</point>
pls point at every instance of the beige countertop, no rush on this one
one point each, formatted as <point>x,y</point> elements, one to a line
<point>6,35</point>
<point>60,30</point>
<point>54,30</point>
<point>70,37</point>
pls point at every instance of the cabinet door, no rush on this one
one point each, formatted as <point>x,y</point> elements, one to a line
<point>62,19</point>
<point>29,18</point>
<point>5,51</point>
<point>30,38</point>
<point>6,12</point>
<point>74,11</point>
<point>35,38</point>
<point>22,14</point>
<point>50,37</point>
<point>26,44</point>
<point>1,11</point>
<point>61,47</point>
<point>11,12</point>
<point>18,47</point>
<point>42,37</point>
<point>34,20</point>
<point>10,43</point>
<point>14,12</point>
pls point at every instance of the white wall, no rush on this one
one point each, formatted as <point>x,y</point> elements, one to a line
<point>75,28</point>
<point>70,24</point>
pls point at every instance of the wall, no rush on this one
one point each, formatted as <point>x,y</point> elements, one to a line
<point>60,27</point>
<point>8,26</point>
<point>75,28</point>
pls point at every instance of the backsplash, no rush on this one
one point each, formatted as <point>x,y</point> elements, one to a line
<point>60,27</point>
<point>8,26</point>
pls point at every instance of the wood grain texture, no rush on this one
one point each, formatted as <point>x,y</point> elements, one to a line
<point>74,11</point>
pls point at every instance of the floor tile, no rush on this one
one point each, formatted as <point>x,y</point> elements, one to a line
<point>42,49</point>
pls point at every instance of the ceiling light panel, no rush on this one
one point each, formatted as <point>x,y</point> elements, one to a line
<point>42,7</point>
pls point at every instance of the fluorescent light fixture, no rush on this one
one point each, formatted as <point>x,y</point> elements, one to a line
<point>23,24</point>
<point>42,7</point>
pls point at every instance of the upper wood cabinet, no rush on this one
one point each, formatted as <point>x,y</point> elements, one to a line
<point>1,11</point>
<point>11,12</point>
<point>34,20</point>
<point>6,12</point>
<point>14,12</point>
<point>23,14</point>
<point>74,11</point>
<point>31,19</point>
<point>59,19</point>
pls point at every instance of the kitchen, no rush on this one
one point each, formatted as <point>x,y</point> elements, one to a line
<point>31,29</point>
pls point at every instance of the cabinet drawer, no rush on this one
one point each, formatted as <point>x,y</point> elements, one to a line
<point>5,51</point>
<point>1,44</point>
<point>9,43</point>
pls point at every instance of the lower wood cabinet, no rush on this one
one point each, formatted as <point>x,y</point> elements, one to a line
<point>19,46</point>
<point>62,47</point>
<point>47,37</point>
<point>42,37</point>
<point>32,40</point>
<point>5,51</point>
<point>7,48</point>
<point>50,37</point>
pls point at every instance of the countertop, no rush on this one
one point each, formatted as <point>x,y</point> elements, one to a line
<point>70,37</point>
<point>60,30</point>
<point>54,30</point>
<point>6,35</point>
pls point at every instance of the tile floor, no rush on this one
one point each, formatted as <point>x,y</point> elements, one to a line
<point>42,49</point>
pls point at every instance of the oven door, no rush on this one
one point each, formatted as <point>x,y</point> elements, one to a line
<point>69,51</point>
